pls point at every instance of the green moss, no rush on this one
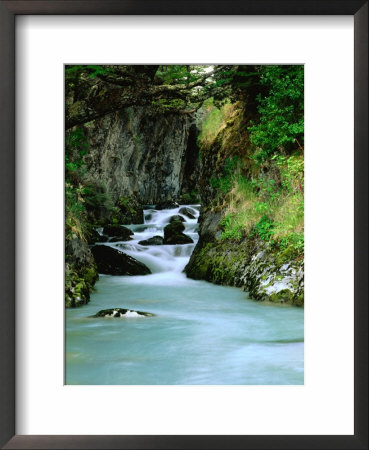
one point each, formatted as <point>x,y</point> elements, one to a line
<point>90,275</point>
<point>299,300</point>
<point>283,296</point>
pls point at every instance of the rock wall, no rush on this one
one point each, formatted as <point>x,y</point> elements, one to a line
<point>138,152</point>
<point>249,263</point>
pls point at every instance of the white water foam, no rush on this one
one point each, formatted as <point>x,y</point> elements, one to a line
<point>161,258</point>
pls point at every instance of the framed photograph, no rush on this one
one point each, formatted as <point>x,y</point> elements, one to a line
<point>184,224</point>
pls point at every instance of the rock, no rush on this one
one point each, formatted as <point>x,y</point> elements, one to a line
<point>120,238</point>
<point>169,204</point>
<point>78,254</point>
<point>123,233</point>
<point>112,261</point>
<point>173,228</point>
<point>173,234</point>
<point>130,210</point>
<point>122,313</point>
<point>148,217</point>
<point>177,218</point>
<point>251,264</point>
<point>186,212</point>
<point>179,238</point>
<point>155,240</point>
<point>141,153</point>
<point>93,237</point>
<point>80,272</point>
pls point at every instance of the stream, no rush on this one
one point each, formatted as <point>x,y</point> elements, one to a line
<point>201,333</point>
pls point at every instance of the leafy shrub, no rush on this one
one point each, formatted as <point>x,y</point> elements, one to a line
<point>264,228</point>
<point>281,111</point>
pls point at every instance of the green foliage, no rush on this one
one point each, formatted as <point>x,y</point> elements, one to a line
<point>190,198</point>
<point>80,196</point>
<point>76,148</point>
<point>272,211</point>
<point>178,74</point>
<point>225,182</point>
<point>213,118</point>
<point>291,170</point>
<point>281,111</point>
<point>167,105</point>
<point>92,70</point>
<point>264,228</point>
<point>294,239</point>
<point>232,229</point>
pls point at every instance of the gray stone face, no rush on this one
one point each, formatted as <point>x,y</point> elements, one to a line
<point>141,153</point>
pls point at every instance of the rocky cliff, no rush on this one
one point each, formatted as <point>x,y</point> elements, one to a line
<point>269,269</point>
<point>140,153</point>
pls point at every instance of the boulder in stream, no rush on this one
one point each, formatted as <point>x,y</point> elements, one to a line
<point>122,313</point>
<point>155,240</point>
<point>186,212</point>
<point>117,231</point>
<point>93,236</point>
<point>111,261</point>
<point>177,218</point>
<point>173,234</point>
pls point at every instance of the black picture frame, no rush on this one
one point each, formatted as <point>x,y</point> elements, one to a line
<point>8,11</point>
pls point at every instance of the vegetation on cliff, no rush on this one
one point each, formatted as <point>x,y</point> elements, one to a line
<point>253,173</point>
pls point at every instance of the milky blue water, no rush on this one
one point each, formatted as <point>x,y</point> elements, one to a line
<point>201,333</point>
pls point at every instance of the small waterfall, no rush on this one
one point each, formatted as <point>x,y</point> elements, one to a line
<point>161,258</point>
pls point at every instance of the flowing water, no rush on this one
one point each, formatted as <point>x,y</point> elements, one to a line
<point>201,333</point>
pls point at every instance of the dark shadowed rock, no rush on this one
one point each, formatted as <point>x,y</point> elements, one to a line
<point>177,218</point>
<point>148,217</point>
<point>155,240</point>
<point>173,234</point>
<point>130,210</point>
<point>123,233</point>
<point>121,313</point>
<point>173,228</point>
<point>112,261</point>
<point>120,238</point>
<point>186,212</point>
<point>166,205</point>
<point>93,236</point>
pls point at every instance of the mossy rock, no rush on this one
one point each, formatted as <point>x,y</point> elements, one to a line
<point>121,313</point>
<point>177,218</point>
<point>173,234</point>
<point>118,231</point>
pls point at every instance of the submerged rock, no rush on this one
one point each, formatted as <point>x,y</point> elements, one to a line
<point>117,231</point>
<point>155,240</point>
<point>111,261</point>
<point>122,313</point>
<point>177,218</point>
<point>186,212</point>
<point>169,204</point>
<point>173,234</point>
